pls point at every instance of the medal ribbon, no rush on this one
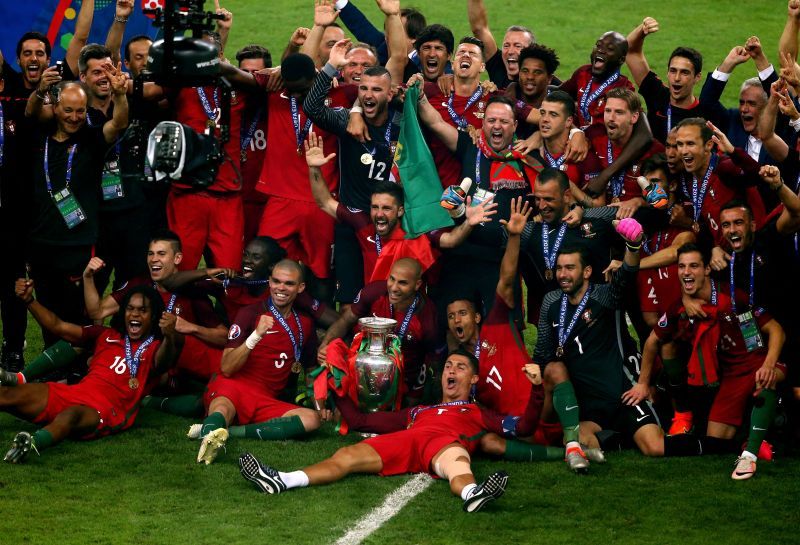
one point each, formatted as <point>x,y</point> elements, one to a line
<point>550,256</point>
<point>406,318</point>
<point>211,113</point>
<point>699,193</point>
<point>646,246</point>
<point>587,99</point>
<point>461,121</point>
<point>419,409</point>
<point>752,280</point>
<point>618,180</point>
<point>300,135</point>
<point>281,320</point>
<point>47,165</point>
<point>477,351</point>
<point>563,334</point>
<point>378,244</point>
<point>245,136</point>
<point>134,359</point>
<point>2,133</point>
<point>555,163</point>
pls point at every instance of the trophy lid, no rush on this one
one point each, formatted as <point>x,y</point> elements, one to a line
<point>377,323</point>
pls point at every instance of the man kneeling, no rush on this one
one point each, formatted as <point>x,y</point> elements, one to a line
<point>436,439</point>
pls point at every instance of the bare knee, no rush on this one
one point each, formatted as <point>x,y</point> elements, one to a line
<point>650,440</point>
<point>555,373</point>
<point>493,444</point>
<point>309,418</point>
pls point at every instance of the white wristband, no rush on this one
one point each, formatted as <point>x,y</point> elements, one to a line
<point>252,340</point>
<point>795,124</point>
<point>572,132</point>
<point>340,4</point>
<point>356,110</point>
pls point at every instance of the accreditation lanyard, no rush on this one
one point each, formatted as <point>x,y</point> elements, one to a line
<point>387,137</point>
<point>588,98</point>
<point>133,359</point>
<point>699,190</point>
<point>565,332</point>
<point>246,134</point>
<point>618,180</point>
<point>548,254</point>
<point>299,134</point>
<point>752,280</point>
<point>461,121</point>
<point>552,161</point>
<point>406,318</point>
<point>212,112</point>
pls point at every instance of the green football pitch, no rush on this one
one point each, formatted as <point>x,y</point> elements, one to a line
<point>144,487</point>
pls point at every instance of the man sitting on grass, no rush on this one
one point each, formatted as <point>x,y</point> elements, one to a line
<point>436,439</point>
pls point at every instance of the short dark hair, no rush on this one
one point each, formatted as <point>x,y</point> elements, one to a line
<point>255,51</point>
<point>274,250</point>
<point>550,174</point>
<point>415,22</point>
<point>736,203</point>
<point>432,33</point>
<point>656,162</point>
<point>89,52</point>
<point>156,309</point>
<point>33,35</point>
<point>563,98</point>
<point>690,54</point>
<point>168,236</point>
<point>580,249</point>
<point>137,38</point>
<point>298,67</point>
<point>292,265</point>
<point>545,54</point>
<point>501,99</point>
<point>630,98</point>
<point>473,361</point>
<point>690,247</point>
<point>474,300</point>
<point>699,122</point>
<point>474,41</point>
<point>389,188</point>
<point>377,71</point>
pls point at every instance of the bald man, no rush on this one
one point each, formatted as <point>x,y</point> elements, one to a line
<point>399,298</point>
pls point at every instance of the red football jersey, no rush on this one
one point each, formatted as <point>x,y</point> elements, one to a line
<point>254,134</point>
<point>658,288</point>
<point>576,87</point>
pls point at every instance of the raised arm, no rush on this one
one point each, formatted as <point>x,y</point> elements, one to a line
<point>223,25</point>
<point>479,24</point>
<point>788,41</point>
<point>396,39</point>
<point>669,255</point>
<point>315,157</point>
<point>520,212</point>
<point>789,220</point>
<point>36,107</point>
<point>635,59</point>
<point>83,25</point>
<point>45,317</point>
<point>325,14</point>
<point>431,118</point>
<point>778,98</point>
<point>234,359</point>
<point>298,38</point>
<point>171,345</point>
<point>641,139</point>
<point>119,87</point>
<point>116,31</point>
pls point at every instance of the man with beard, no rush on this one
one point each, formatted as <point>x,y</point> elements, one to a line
<point>537,67</point>
<point>107,400</point>
<point>33,57</point>
<point>433,46</point>
<point>380,236</point>
<point>666,105</point>
<point>502,64</point>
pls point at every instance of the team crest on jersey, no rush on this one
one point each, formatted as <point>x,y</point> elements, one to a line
<point>586,230</point>
<point>587,315</point>
<point>234,332</point>
<point>328,101</point>
<point>490,349</point>
<point>635,169</point>
<point>11,127</point>
<point>358,297</point>
<point>315,305</point>
<point>234,98</point>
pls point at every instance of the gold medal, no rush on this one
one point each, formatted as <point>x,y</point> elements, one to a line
<point>211,124</point>
<point>695,227</point>
<point>133,383</point>
<point>548,274</point>
<point>615,200</point>
<point>296,367</point>
<point>560,352</point>
<point>366,159</point>
<point>299,151</point>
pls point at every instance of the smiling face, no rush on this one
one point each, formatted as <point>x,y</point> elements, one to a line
<point>608,54</point>
<point>462,320</point>
<point>33,60</point>
<point>162,260</point>
<point>457,378</point>
<point>402,284</point>
<point>692,272</point>
<point>256,261</point>
<point>138,317</point>
<point>737,228</point>
<point>70,110</point>
<point>357,60</point>
<point>499,125</point>
<point>433,58</point>
<point>285,284</point>
<point>96,79</point>
<point>694,153</point>
<point>550,201</point>
<point>331,35</point>
<point>385,213</point>
<point>751,102</point>
<point>682,79</point>
<point>468,62</point>
<point>375,92</point>
<point>514,42</point>
<point>619,120</point>
<point>571,274</point>
<point>533,78</point>
<point>674,160</point>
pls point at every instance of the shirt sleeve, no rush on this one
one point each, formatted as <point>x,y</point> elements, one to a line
<point>243,325</point>
<point>90,334</point>
<point>653,90</point>
<point>368,295</point>
<point>516,425</point>
<point>545,350</point>
<point>330,119</point>
<point>380,422</point>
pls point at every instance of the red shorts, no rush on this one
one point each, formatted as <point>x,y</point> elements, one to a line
<point>409,451</point>
<point>252,405</point>
<point>113,419</point>
<point>202,219</point>
<point>731,399</point>
<point>198,358</point>
<point>253,211</point>
<point>302,229</point>
<point>658,291</point>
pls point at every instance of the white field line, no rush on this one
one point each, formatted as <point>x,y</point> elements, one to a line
<point>392,505</point>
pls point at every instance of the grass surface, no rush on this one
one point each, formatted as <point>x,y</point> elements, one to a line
<point>143,487</point>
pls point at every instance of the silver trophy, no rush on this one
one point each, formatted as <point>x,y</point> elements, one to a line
<point>377,365</point>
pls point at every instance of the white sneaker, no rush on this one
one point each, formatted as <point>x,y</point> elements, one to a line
<point>211,445</point>
<point>194,431</point>
<point>745,468</point>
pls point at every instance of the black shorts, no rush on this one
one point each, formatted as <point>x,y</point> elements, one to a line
<point>348,264</point>
<point>621,418</point>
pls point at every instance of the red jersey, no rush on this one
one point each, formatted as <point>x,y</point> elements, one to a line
<point>379,254</point>
<point>417,336</point>
<point>577,86</point>
<point>109,373</point>
<point>502,355</point>
<point>285,172</point>
<point>658,288</point>
<point>447,164</point>
<point>578,173</point>
<point>270,363</point>
<point>191,305</point>
<point>598,140</point>
<point>189,110</point>
<point>253,135</point>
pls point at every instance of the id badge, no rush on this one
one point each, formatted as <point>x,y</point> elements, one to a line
<point>752,336</point>
<point>69,208</point>
<point>112,183</point>
<point>480,196</point>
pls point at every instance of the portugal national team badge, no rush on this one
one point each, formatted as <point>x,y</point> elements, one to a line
<point>328,101</point>
<point>234,98</point>
<point>587,316</point>
<point>11,127</point>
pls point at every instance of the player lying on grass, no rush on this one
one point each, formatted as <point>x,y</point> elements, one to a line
<point>106,400</point>
<point>436,439</point>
